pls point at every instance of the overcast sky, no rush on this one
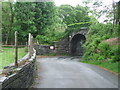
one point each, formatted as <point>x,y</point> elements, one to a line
<point>76,2</point>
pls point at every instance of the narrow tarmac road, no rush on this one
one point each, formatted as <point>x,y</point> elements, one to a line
<point>67,72</point>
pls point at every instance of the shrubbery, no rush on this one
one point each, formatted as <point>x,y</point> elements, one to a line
<point>96,48</point>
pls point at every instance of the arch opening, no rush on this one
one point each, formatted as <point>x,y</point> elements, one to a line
<point>76,44</point>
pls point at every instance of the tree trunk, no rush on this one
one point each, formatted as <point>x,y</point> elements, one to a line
<point>7,38</point>
<point>113,4</point>
<point>10,26</point>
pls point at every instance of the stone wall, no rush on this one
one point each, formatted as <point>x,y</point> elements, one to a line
<point>21,77</point>
<point>43,49</point>
<point>62,46</point>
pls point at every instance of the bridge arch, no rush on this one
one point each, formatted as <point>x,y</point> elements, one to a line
<point>76,44</point>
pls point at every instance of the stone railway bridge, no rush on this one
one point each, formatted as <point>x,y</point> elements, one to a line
<point>72,44</point>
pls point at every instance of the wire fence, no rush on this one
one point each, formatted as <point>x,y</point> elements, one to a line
<point>10,54</point>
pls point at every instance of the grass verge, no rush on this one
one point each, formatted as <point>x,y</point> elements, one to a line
<point>8,54</point>
<point>111,66</point>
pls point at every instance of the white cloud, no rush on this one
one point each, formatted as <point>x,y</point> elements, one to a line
<point>71,2</point>
<point>76,2</point>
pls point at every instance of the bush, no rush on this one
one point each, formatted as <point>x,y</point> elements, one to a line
<point>104,49</point>
<point>97,41</point>
<point>95,36</point>
<point>95,56</point>
<point>114,51</point>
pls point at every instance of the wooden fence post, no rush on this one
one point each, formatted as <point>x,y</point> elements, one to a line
<point>16,49</point>
<point>30,45</point>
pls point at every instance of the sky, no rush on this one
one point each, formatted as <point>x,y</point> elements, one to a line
<point>76,2</point>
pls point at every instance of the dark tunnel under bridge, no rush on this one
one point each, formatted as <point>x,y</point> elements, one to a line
<point>76,44</point>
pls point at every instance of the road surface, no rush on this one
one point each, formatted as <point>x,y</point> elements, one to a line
<point>68,72</point>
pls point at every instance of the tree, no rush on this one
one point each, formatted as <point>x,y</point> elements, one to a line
<point>37,18</point>
<point>74,17</point>
<point>48,23</point>
<point>24,19</point>
<point>7,21</point>
<point>67,14</point>
<point>45,12</point>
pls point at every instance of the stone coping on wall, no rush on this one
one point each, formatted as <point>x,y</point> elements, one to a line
<point>22,72</point>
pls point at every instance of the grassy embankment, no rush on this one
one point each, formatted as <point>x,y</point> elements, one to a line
<point>113,67</point>
<point>107,57</point>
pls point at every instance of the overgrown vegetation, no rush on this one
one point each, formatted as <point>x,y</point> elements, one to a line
<point>96,48</point>
<point>102,46</point>
<point>98,51</point>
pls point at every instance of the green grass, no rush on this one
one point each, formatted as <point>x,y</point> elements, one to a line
<point>8,54</point>
<point>112,66</point>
